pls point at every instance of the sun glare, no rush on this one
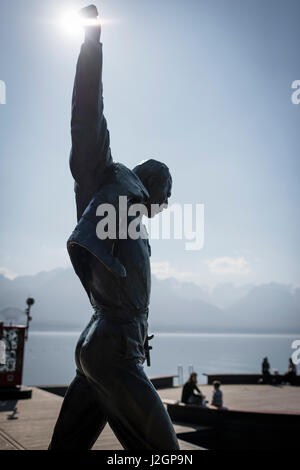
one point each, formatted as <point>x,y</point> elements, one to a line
<point>72,23</point>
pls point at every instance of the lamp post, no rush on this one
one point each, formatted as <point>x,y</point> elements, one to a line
<point>29,302</point>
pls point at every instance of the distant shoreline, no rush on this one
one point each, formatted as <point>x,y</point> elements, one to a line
<point>180,333</point>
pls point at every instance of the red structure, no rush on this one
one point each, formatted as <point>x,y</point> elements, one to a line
<point>14,337</point>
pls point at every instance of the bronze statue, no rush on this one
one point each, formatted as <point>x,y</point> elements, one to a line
<point>110,384</point>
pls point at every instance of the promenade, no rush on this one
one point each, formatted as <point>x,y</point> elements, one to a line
<point>28,424</point>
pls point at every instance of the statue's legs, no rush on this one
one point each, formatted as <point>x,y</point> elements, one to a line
<point>80,420</point>
<point>110,358</point>
<point>135,411</point>
<point>111,378</point>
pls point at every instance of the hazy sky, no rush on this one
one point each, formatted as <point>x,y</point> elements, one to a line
<point>204,85</point>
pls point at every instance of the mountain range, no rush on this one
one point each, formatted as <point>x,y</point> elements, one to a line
<point>61,304</point>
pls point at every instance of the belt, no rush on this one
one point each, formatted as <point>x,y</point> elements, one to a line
<point>126,315</point>
<point>123,314</point>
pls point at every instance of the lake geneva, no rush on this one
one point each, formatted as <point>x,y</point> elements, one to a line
<point>49,356</point>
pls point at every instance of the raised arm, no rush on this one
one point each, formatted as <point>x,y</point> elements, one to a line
<point>90,154</point>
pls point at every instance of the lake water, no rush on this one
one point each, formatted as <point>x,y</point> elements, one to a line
<point>49,356</point>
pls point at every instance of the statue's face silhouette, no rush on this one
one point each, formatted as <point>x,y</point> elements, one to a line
<point>157,179</point>
<point>160,192</point>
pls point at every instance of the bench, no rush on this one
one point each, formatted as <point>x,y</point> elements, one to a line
<point>177,404</point>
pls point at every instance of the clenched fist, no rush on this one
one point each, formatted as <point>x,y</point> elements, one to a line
<point>92,28</point>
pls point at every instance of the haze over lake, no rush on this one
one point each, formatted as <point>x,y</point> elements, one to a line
<point>49,356</point>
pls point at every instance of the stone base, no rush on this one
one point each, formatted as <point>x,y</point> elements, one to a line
<point>15,393</point>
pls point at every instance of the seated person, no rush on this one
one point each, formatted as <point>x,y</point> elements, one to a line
<point>191,395</point>
<point>217,399</point>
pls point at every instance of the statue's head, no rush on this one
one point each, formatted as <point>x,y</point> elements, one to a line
<point>157,179</point>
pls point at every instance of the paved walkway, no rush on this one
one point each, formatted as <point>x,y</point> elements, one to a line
<point>28,424</point>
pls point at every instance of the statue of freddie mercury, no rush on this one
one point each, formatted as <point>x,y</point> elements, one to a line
<point>110,384</point>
